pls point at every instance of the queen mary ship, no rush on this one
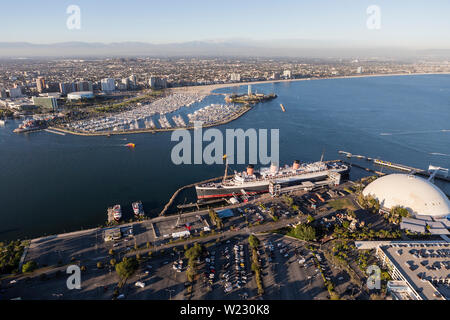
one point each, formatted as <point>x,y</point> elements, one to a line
<point>252,181</point>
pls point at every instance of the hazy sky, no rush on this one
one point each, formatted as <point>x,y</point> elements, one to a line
<point>414,23</point>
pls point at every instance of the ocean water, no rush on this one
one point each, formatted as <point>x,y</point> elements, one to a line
<point>51,183</point>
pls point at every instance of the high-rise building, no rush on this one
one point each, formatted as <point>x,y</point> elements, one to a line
<point>133,81</point>
<point>40,84</point>
<point>15,92</point>
<point>157,82</point>
<point>249,91</point>
<point>359,70</point>
<point>67,87</point>
<point>275,76</point>
<point>126,83</point>
<point>108,85</point>
<point>84,86</point>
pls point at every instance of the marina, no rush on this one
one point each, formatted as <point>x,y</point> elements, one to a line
<point>213,113</point>
<point>141,115</point>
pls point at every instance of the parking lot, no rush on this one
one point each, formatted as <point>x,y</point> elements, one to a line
<point>289,272</point>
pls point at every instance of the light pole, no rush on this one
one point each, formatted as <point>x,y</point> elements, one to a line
<point>170,293</point>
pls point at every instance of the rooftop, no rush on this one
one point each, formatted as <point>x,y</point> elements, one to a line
<point>419,196</point>
<point>424,265</point>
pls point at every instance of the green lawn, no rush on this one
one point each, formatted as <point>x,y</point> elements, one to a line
<point>342,204</point>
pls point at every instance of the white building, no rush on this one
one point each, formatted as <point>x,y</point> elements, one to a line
<point>108,85</point>
<point>417,195</point>
<point>287,74</point>
<point>133,80</point>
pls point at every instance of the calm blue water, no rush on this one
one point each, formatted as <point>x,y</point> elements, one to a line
<point>51,183</point>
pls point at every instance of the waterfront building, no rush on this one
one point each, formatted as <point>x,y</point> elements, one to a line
<point>157,82</point>
<point>275,76</point>
<point>20,104</point>
<point>40,84</point>
<point>108,85</point>
<point>419,196</point>
<point>287,74</point>
<point>49,103</point>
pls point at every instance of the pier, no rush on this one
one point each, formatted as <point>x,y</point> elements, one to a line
<point>174,196</point>
<point>396,166</point>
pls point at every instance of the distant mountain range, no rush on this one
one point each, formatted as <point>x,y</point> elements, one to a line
<point>280,48</point>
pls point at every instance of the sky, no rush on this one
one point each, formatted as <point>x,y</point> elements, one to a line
<point>413,23</point>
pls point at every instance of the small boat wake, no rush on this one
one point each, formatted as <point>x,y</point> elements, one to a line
<point>412,132</point>
<point>440,154</point>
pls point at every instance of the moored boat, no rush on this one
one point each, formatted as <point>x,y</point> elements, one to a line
<point>138,208</point>
<point>117,212</point>
<point>252,182</point>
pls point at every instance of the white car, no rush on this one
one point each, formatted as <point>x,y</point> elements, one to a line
<point>140,284</point>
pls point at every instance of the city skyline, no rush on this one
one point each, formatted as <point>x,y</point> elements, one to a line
<point>416,26</point>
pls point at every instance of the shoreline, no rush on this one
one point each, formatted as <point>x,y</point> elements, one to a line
<point>208,89</point>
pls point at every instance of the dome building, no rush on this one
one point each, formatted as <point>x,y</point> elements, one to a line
<point>417,195</point>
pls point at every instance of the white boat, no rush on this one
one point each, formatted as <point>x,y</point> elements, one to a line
<point>117,212</point>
